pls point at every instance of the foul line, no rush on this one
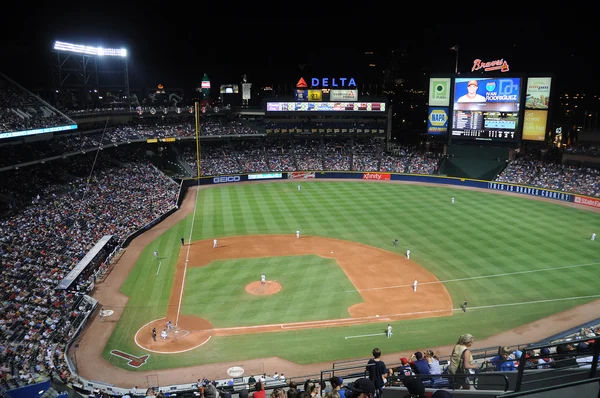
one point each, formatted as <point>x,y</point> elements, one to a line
<point>476,277</point>
<point>364,335</point>
<point>187,256</point>
<point>159,263</point>
<point>481,307</point>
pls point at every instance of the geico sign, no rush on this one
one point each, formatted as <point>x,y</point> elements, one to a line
<point>220,180</point>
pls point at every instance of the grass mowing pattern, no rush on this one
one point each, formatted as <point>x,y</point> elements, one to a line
<point>313,288</point>
<point>482,234</point>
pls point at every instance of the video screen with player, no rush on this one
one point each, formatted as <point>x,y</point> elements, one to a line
<point>486,109</point>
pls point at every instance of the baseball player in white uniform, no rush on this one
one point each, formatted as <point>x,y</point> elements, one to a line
<point>415,283</point>
<point>389,331</point>
<point>298,234</point>
<point>408,254</point>
<point>155,254</point>
<point>214,243</point>
<point>453,200</point>
<point>594,236</point>
<point>298,187</point>
<point>263,279</point>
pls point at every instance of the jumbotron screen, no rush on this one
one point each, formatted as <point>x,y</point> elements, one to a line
<point>325,106</point>
<point>486,109</point>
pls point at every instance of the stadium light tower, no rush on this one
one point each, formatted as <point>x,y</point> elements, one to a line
<point>85,68</point>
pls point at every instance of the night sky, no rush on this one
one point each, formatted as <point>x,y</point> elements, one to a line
<point>176,45</point>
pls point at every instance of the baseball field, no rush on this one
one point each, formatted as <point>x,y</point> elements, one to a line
<point>331,293</point>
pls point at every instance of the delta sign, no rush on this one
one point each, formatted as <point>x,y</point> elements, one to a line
<point>328,82</point>
<point>437,121</point>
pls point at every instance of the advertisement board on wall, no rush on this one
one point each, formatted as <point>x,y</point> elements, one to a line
<point>439,91</point>
<point>326,107</point>
<point>582,200</point>
<point>537,95</point>
<point>546,193</point>
<point>264,176</point>
<point>376,176</point>
<point>226,179</point>
<point>437,121</point>
<point>315,95</point>
<point>534,125</point>
<point>301,95</point>
<point>301,175</point>
<point>246,90</point>
<point>343,95</point>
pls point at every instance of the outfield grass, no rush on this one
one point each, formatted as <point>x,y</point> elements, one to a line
<point>313,288</point>
<point>483,248</point>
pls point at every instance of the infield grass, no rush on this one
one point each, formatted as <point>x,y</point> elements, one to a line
<point>492,249</point>
<point>313,288</point>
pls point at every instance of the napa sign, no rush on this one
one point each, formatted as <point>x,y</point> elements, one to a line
<point>327,82</point>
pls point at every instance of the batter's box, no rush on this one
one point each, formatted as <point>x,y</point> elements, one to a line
<point>179,333</point>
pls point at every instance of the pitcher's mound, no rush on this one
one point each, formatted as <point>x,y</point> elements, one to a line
<point>258,289</point>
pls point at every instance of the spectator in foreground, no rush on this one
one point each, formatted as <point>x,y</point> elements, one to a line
<point>461,362</point>
<point>502,361</point>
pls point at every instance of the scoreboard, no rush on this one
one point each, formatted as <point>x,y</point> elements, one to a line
<point>326,107</point>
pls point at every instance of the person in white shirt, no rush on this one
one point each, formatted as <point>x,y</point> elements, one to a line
<point>453,200</point>
<point>263,279</point>
<point>471,95</point>
<point>155,254</point>
<point>276,376</point>
<point>415,283</point>
<point>389,331</point>
<point>214,243</point>
<point>298,234</point>
<point>298,187</point>
<point>408,254</point>
<point>163,334</point>
<point>594,236</point>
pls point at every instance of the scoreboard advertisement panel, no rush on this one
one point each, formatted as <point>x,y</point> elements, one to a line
<point>326,107</point>
<point>537,102</point>
<point>315,95</point>
<point>486,109</point>
<point>343,95</point>
<point>437,121</point>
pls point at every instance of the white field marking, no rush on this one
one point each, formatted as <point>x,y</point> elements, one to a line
<point>176,352</point>
<point>157,271</point>
<point>530,302</point>
<point>388,317</point>
<point>475,277</point>
<point>312,325</point>
<point>364,335</point>
<point>187,256</point>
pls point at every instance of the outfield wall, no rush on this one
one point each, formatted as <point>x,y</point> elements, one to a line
<point>420,178</point>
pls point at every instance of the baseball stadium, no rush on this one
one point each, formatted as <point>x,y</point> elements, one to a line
<point>168,247</point>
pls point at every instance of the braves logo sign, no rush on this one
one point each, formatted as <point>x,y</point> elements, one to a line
<point>499,64</point>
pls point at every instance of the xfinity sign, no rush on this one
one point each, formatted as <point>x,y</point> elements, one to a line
<point>224,179</point>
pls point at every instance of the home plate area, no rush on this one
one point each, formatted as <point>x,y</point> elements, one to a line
<point>178,333</point>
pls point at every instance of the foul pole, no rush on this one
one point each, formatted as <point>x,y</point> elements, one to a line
<point>197,112</point>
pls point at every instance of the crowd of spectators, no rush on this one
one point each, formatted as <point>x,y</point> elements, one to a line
<point>58,212</point>
<point>211,126</point>
<point>308,154</point>
<point>552,175</point>
<point>21,110</point>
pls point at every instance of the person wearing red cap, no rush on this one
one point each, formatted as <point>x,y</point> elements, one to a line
<point>404,369</point>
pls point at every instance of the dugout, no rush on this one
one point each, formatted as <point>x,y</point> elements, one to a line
<point>476,162</point>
